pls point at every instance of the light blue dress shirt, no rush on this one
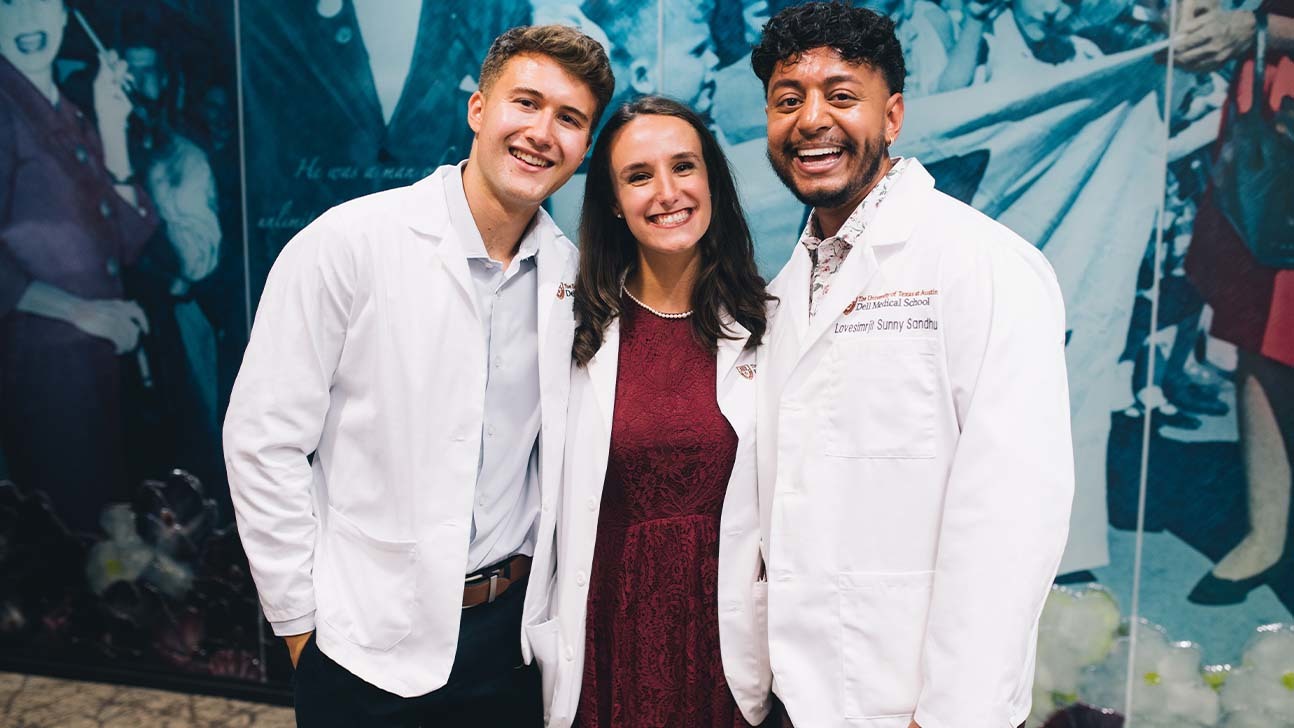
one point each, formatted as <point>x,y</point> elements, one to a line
<point>506,501</point>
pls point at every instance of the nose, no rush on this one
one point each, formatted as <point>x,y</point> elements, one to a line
<point>22,14</point>
<point>540,133</point>
<point>814,116</point>
<point>666,191</point>
<point>709,62</point>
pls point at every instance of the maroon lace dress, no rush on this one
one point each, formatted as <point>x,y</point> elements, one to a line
<point>652,651</point>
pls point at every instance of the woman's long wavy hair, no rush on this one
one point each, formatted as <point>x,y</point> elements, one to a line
<point>728,280</point>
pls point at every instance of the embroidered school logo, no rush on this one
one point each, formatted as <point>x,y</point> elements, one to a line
<point>852,305</point>
<point>564,290</point>
<point>746,370</point>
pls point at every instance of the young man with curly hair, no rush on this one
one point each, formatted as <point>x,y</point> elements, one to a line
<point>915,463</point>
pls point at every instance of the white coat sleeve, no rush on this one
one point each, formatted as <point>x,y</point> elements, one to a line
<point>276,414</point>
<point>1010,487</point>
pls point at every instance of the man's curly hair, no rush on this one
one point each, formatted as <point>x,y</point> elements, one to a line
<point>857,34</point>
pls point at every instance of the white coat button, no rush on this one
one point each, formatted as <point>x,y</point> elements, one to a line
<point>581,578</point>
<point>570,653</point>
<point>592,504</point>
<point>490,430</point>
<point>547,507</point>
<point>480,501</point>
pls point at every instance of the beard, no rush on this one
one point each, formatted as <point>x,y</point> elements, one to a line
<point>874,152</point>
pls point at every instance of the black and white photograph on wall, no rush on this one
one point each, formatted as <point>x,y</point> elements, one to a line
<point>348,97</point>
<point>1154,190</point>
<point>122,322</point>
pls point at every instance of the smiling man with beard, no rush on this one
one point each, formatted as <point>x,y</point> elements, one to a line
<point>394,437</point>
<point>915,465</point>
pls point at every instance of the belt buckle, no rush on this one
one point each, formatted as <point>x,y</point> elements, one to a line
<point>493,575</point>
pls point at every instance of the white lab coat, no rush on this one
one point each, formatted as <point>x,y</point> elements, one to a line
<point>915,477</point>
<point>558,642</point>
<point>367,351</point>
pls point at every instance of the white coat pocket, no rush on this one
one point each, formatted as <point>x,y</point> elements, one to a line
<point>365,586</point>
<point>546,643</point>
<point>882,630</point>
<point>882,399</point>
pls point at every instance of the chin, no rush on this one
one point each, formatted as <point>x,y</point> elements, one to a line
<point>674,245</point>
<point>529,192</point>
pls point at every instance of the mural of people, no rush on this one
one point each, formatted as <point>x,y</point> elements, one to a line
<point>1251,300</point>
<point>126,282</point>
<point>73,216</point>
<point>347,97</point>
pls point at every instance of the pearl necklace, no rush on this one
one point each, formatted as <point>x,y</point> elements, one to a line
<point>663,315</point>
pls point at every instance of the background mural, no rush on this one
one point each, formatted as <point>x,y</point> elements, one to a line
<point>1065,119</point>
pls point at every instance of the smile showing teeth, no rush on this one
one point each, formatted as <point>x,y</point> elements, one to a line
<point>670,218</point>
<point>30,42</point>
<point>817,152</point>
<point>530,158</point>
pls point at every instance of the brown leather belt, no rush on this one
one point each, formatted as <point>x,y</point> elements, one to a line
<point>484,586</point>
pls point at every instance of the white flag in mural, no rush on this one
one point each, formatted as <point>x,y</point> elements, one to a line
<point>1075,166</point>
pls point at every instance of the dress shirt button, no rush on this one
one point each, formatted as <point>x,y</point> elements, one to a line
<point>105,209</point>
<point>82,156</point>
<point>112,267</point>
<point>344,34</point>
<point>581,578</point>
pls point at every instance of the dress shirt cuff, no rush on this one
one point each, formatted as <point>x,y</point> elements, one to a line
<point>300,625</point>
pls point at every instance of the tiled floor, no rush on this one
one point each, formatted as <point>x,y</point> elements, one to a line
<point>40,702</point>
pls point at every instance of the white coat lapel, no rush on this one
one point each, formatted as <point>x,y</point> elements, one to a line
<point>726,363</point>
<point>551,266</point>
<point>792,290</point>
<point>894,223</point>
<point>849,281</point>
<point>429,218</point>
<point>602,372</point>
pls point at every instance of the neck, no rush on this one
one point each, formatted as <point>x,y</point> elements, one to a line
<point>43,80</point>
<point>501,225</point>
<point>831,219</point>
<point>665,282</point>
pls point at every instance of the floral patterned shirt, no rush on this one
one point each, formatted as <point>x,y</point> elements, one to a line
<point>828,255</point>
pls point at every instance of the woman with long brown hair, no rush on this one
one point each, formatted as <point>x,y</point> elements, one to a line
<point>658,605</point>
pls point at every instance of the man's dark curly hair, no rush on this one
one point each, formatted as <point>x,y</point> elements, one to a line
<point>858,34</point>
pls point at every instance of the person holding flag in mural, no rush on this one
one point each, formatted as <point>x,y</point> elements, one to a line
<point>915,463</point>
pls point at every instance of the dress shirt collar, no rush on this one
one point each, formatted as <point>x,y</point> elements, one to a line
<point>850,232</point>
<point>464,225</point>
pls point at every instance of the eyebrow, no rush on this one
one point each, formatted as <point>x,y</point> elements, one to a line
<point>829,80</point>
<point>681,156</point>
<point>583,117</point>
